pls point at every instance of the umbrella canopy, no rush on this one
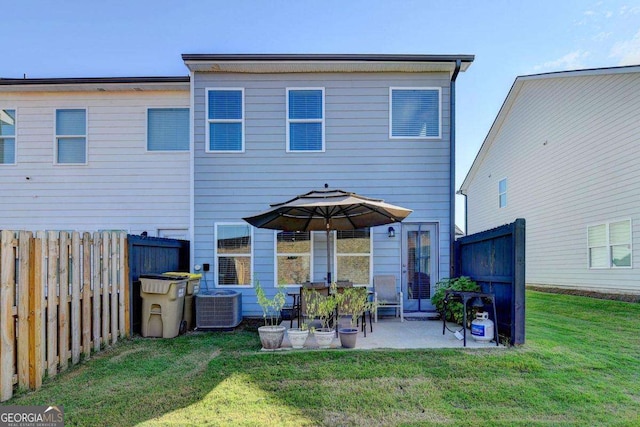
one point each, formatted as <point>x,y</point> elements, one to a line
<point>328,210</point>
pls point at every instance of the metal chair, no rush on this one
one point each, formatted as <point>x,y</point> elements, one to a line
<point>386,295</point>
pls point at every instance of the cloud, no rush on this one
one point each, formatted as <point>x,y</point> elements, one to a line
<point>627,51</point>
<point>570,61</point>
<point>626,10</point>
<point>602,36</point>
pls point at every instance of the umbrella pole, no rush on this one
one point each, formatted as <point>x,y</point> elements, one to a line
<point>328,258</point>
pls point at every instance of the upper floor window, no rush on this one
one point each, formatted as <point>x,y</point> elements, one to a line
<point>225,120</point>
<point>168,129</point>
<point>71,136</point>
<point>354,256</point>
<point>502,193</point>
<point>610,245</point>
<point>415,113</point>
<point>7,137</point>
<point>293,257</point>
<point>233,254</point>
<point>305,119</point>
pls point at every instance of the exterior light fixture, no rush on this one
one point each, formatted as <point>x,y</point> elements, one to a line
<point>391,232</point>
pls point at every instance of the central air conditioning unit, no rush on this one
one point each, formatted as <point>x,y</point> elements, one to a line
<point>217,309</point>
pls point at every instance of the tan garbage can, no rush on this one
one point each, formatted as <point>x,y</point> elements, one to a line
<point>162,305</point>
<point>193,287</point>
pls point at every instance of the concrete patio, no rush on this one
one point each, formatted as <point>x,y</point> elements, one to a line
<point>390,332</point>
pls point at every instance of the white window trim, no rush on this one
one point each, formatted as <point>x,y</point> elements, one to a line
<point>146,129</point>
<point>207,145</point>
<point>85,136</point>
<point>608,245</point>
<point>216,256</point>
<point>15,138</point>
<point>335,258</point>
<point>439,89</point>
<point>276,254</point>
<point>506,183</point>
<point>288,120</point>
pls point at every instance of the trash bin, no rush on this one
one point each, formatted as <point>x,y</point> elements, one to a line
<point>193,287</point>
<point>162,305</point>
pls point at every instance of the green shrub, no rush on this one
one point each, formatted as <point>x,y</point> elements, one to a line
<point>454,308</point>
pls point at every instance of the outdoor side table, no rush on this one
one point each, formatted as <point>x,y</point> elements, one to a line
<point>295,309</point>
<point>465,296</point>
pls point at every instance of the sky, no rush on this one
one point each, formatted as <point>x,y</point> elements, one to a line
<point>71,38</point>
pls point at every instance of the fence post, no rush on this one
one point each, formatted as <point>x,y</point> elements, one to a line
<point>76,262</point>
<point>105,288</point>
<point>113,286</point>
<point>52,309</point>
<point>86,294</point>
<point>96,290</point>
<point>7,323</point>
<point>63,302</point>
<point>122,293</point>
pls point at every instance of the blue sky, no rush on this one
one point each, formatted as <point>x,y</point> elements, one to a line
<point>73,38</point>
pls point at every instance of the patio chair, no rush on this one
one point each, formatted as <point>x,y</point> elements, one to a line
<point>386,295</point>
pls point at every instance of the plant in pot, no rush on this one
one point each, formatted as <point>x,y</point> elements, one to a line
<point>352,303</point>
<point>322,308</point>
<point>271,334</point>
<point>454,308</point>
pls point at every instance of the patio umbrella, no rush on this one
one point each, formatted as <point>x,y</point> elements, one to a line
<point>328,210</point>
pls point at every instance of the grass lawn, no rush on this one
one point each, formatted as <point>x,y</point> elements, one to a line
<point>580,366</point>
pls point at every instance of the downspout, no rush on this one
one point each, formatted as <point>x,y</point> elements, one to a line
<point>452,167</point>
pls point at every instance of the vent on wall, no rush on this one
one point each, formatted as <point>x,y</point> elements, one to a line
<point>218,309</point>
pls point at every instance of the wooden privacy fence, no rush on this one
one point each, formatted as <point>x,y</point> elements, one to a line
<point>62,296</point>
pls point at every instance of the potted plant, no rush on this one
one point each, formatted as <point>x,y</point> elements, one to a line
<point>322,308</point>
<point>271,334</point>
<point>298,336</point>
<point>352,303</point>
<point>454,308</point>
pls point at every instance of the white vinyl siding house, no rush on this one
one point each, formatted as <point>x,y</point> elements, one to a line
<point>569,144</point>
<point>90,169</point>
<point>346,112</point>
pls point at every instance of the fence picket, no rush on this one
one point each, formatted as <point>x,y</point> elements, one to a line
<point>97,248</point>
<point>113,286</point>
<point>76,261</point>
<point>52,311</point>
<point>36,299</point>
<point>105,288</point>
<point>123,294</point>
<point>24,251</point>
<point>7,323</point>
<point>86,295</point>
<point>63,304</point>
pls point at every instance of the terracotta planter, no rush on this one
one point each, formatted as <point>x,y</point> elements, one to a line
<point>271,336</point>
<point>348,337</point>
<point>324,337</point>
<point>297,337</point>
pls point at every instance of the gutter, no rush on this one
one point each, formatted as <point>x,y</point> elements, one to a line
<point>452,168</point>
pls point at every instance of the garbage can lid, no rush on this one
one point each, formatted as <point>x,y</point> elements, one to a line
<point>156,277</point>
<point>183,274</point>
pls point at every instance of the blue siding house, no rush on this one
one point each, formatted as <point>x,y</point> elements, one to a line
<point>266,128</point>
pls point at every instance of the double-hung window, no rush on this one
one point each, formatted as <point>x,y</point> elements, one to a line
<point>168,129</point>
<point>502,193</point>
<point>353,256</point>
<point>7,137</point>
<point>234,254</point>
<point>293,257</point>
<point>225,120</point>
<point>610,245</point>
<point>415,113</point>
<point>71,136</point>
<point>305,119</point>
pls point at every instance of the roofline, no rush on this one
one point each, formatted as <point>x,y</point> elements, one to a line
<point>513,94</point>
<point>326,57</point>
<point>93,80</point>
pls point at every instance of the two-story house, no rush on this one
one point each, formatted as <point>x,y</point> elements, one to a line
<point>191,156</point>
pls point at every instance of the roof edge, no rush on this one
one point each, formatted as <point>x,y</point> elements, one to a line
<point>93,80</point>
<point>582,72</point>
<point>327,57</point>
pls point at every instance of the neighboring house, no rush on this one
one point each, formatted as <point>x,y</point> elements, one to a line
<point>270,127</point>
<point>110,153</point>
<point>95,154</point>
<point>564,153</point>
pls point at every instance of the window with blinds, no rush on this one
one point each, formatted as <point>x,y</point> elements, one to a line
<point>233,254</point>
<point>225,120</point>
<point>7,137</point>
<point>71,136</point>
<point>415,113</point>
<point>610,245</point>
<point>293,257</point>
<point>354,256</point>
<point>305,119</point>
<point>168,129</point>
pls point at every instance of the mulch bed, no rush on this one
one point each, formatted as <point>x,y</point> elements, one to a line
<point>590,294</point>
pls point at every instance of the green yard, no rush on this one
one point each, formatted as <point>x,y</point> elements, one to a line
<point>580,366</point>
